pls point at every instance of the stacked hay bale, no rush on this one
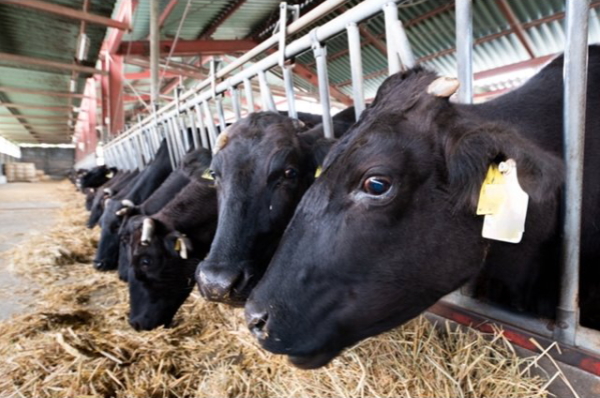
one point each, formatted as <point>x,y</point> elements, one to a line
<point>21,172</point>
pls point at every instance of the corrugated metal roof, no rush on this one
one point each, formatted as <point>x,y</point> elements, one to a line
<point>45,36</point>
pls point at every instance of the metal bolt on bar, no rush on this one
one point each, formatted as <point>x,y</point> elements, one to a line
<point>575,89</point>
<point>464,50</point>
<point>356,68</point>
<point>221,113</point>
<point>203,130</point>
<point>265,92</point>
<point>249,95</point>
<point>210,122</point>
<point>320,53</point>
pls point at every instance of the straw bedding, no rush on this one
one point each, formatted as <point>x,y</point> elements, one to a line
<point>76,342</point>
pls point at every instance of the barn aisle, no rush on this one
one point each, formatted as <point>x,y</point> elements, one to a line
<point>24,208</point>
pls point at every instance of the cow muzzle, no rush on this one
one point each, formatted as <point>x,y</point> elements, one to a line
<point>223,283</point>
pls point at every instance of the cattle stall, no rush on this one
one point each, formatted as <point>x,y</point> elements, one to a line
<point>312,198</point>
<point>200,111</point>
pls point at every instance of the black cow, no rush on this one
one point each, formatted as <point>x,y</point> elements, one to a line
<point>194,164</point>
<point>390,226</point>
<point>265,165</point>
<point>96,177</point>
<point>165,250</point>
<point>148,180</point>
<point>117,184</point>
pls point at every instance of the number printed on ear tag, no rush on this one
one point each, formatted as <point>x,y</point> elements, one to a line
<point>507,223</point>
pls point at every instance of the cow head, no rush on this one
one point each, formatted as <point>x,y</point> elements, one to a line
<point>390,227</point>
<point>107,253</point>
<point>261,168</point>
<point>96,177</point>
<point>161,273</point>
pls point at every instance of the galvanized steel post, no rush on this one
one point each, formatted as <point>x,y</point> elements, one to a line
<point>210,122</point>
<point>575,89</point>
<point>320,53</point>
<point>203,130</point>
<point>358,91</point>
<point>464,50</point>
<point>265,92</point>
<point>192,124</point>
<point>249,95</point>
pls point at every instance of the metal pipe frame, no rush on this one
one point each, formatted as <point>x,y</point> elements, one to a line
<point>288,81</point>
<point>358,91</point>
<point>249,95</point>
<point>203,130</point>
<point>221,112</point>
<point>235,101</point>
<point>390,11</point>
<point>464,50</point>
<point>192,124</point>
<point>210,122</point>
<point>320,53</point>
<point>267,97</point>
<point>575,89</point>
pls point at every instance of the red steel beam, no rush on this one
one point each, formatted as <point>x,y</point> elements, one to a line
<point>228,11</point>
<point>530,63</point>
<point>166,12</point>
<point>516,26</point>
<point>188,47</point>
<point>21,59</point>
<point>68,12</point>
<point>125,14</point>
<point>311,77</point>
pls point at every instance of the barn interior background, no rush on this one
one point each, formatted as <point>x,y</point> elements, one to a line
<point>79,84</point>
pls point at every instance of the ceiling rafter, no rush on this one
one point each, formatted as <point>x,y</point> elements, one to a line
<point>227,11</point>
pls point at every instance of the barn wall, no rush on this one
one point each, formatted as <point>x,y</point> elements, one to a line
<point>54,161</point>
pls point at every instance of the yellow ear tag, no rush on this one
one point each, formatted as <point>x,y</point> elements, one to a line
<point>507,222</point>
<point>207,175</point>
<point>318,172</point>
<point>492,194</point>
<point>178,245</point>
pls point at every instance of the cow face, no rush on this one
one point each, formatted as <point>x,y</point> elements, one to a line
<point>96,177</point>
<point>159,278</point>
<point>390,226</point>
<point>261,170</point>
<point>107,253</point>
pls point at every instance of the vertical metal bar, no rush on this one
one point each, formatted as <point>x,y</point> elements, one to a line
<point>398,38</point>
<point>192,124</point>
<point>575,88</point>
<point>154,51</point>
<point>221,112</point>
<point>184,133</point>
<point>170,146</point>
<point>265,92</point>
<point>137,151</point>
<point>235,101</point>
<point>464,50</point>
<point>288,81</point>
<point>249,95</point>
<point>210,122</point>
<point>176,138</point>
<point>203,130</point>
<point>391,17</point>
<point>146,146</point>
<point>358,91</point>
<point>320,53</point>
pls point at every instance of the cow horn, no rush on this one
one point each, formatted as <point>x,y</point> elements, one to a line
<point>298,124</point>
<point>127,203</point>
<point>443,87</point>
<point>147,231</point>
<point>108,192</point>
<point>183,252</point>
<point>222,140</point>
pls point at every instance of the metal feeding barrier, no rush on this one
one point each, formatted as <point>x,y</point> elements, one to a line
<point>192,110</point>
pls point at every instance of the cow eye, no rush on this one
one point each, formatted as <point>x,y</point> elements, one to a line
<point>145,262</point>
<point>377,185</point>
<point>290,173</point>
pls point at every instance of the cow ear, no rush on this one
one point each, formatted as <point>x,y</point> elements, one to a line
<point>178,245</point>
<point>468,158</point>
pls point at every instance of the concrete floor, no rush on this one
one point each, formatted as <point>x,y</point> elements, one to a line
<point>24,208</point>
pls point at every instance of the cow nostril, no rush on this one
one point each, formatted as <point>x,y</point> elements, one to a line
<point>257,323</point>
<point>220,285</point>
<point>135,325</point>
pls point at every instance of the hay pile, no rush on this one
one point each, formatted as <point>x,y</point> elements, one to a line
<point>77,342</point>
